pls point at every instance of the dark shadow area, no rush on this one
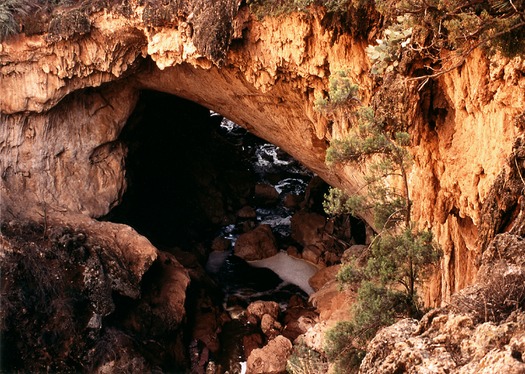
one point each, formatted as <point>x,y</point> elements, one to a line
<point>184,180</point>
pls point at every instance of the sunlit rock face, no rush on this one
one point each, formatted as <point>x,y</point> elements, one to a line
<point>65,101</point>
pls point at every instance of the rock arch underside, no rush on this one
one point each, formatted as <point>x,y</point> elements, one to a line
<point>65,101</point>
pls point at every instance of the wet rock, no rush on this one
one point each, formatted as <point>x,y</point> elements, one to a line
<point>266,194</point>
<point>270,359</point>
<point>220,244</point>
<point>314,194</point>
<point>247,212</point>
<point>257,244</point>
<point>292,201</point>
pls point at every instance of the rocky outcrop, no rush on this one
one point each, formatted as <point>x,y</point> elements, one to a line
<point>481,331</point>
<point>270,359</point>
<point>79,295</point>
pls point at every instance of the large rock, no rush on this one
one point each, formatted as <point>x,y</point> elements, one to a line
<point>308,228</point>
<point>259,308</point>
<point>482,330</point>
<point>451,344</point>
<point>256,244</point>
<point>270,359</point>
<point>323,276</point>
<point>266,194</point>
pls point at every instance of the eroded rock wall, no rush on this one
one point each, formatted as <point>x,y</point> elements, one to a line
<point>59,147</point>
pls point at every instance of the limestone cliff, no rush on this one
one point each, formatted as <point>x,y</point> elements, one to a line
<point>66,99</point>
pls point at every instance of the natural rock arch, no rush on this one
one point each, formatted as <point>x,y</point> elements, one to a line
<point>64,103</point>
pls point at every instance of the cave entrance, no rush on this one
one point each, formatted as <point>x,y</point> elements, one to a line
<point>188,176</point>
<point>182,183</point>
<point>196,182</point>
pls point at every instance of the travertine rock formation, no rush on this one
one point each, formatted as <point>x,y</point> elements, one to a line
<point>65,101</point>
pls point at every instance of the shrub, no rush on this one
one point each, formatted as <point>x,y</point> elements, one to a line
<point>342,93</point>
<point>11,13</point>
<point>494,301</point>
<point>273,8</point>
<point>399,256</point>
<point>344,347</point>
<point>425,28</point>
<point>386,54</point>
<point>305,360</point>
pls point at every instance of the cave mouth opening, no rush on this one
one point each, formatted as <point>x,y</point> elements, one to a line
<point>188,176</point>
<point>194,180</point>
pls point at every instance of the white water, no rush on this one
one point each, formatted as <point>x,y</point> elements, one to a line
<point>289,269</point>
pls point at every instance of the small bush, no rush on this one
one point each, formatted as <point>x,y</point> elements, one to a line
<point>494,301</point>
<point>386,54</point>
<point>273,8</point>
<point>11,13</point>
<point>305,360</point>
<point>64,25</point>
<point>342,92</point>
<point>344,347</point>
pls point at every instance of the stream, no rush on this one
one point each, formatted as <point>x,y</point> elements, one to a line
<point>277,278</point>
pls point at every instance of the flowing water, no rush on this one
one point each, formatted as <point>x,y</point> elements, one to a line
<point>277,278</point>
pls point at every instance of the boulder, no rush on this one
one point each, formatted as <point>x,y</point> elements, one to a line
<point>292,201</point>
<point>256,244</point>
<point>307,228</point>
<point>269,326</point>
<point>251,342</point>
<point>323,276</point>
<point>355,251</point>
<point>293,252</point>
<point>247,212</point>
<point>270,359</point>
<point>220,244</point>
<point>266,194</point>
<point>259,308</point>
<point>312,253</point>
<point>298,321</point>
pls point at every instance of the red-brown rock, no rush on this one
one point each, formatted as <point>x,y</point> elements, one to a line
<point>270,359</point>
<point>256,244</point>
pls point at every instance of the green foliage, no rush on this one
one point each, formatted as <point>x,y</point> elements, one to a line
<point>342,92</point>
<point>344,347</point>
<point>11,12</point>
<point>399,256</point>
<point>305,360</point>
<point>425,28</point>
<point>351,272</point>
<point>370,139</point>
<point>386,54</point>
<point>273,8</point>
<point>402,259</point>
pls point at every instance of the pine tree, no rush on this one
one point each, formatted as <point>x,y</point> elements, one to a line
<point>400,255</point>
